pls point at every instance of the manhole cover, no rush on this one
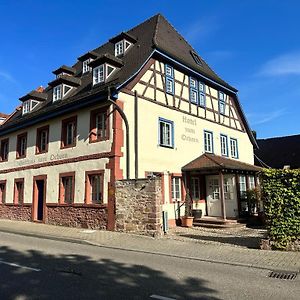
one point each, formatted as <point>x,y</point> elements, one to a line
<point>283,275</point>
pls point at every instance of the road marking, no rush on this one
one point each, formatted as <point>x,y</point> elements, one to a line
<point>161,297</point>
<point>19,266</point>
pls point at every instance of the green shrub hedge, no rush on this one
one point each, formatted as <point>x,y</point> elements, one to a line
<point>281,198</point>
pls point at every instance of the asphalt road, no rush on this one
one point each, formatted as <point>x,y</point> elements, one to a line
<point>34,268</point>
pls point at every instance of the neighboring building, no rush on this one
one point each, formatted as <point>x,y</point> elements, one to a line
<point>3,117</point>
<point>279,152</point>
<point>63,151</point>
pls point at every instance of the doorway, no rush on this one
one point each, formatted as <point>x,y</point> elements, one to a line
<point>39,198</point>
<point>214,208</point>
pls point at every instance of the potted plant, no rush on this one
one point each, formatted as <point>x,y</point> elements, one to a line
<point>187,220</point>
<point>197,212</point>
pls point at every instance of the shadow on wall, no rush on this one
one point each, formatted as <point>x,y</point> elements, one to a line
<point>80,277</point>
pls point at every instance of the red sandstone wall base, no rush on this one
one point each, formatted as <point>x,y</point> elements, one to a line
<point>15,212</point>
<point>83,217</point>
<point>70,216</point>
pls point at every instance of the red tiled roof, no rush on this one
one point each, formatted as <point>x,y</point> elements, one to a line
<point>214,162</point>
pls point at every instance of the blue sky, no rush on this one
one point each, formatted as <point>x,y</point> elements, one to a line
<point>253,45</point>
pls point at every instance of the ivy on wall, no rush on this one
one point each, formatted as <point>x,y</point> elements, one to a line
<point>281,198</point>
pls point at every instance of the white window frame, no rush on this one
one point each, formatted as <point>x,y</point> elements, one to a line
<point>57,92</point>
<point>85,66</point>
<point>119,48</point>
<point>208,141</point>
<point>202,94</point>
<point>251,182</point>
<point>176,188</point>
<point>26,107</point>
<point>166,132</point>
<point>98,74</point>
<point>224,144</point>
<point>234,148</point>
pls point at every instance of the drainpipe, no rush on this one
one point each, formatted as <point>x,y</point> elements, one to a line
<point>136,147</point>
<point>120,111</point>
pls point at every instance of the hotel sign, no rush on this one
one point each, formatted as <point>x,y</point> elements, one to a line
<point>189,134</point>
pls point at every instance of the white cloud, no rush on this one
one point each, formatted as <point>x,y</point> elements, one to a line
<point>201,29</point>
<point>261,118</point>
<point>6,76</point>
<point>286,64</point>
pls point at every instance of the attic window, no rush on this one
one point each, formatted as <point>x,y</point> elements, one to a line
<point>196,58</point>
<point>85,66</point>
<point>101,73</point>
<point>29,105</point>
<point>60,91</point>
<point>121,47</point>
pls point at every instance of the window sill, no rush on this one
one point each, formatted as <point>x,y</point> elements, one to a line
<point>68,146</point>
<point>166,146</point>
<point>41,152</point>
<point>20,157</point>
<point>98,140</point>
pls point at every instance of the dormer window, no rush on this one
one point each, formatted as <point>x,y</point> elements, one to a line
<point>85,66</point>
<point>102,72</point>
<point>121,47</point>
<point>28,106</point>
<point>60,91</point>
<point>98,74</point>
<point>57,93</point>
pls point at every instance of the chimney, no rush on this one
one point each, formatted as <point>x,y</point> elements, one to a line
<point>40,89</point>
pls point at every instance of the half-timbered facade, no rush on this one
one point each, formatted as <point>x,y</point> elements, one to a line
<point>143,104</point>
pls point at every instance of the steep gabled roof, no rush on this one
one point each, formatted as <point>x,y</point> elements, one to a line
<point>155,33</point>
<point>168,40</point>
<point>278,152</point>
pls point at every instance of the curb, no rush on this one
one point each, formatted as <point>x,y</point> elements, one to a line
<point>86,242</point>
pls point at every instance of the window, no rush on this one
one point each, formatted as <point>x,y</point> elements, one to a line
<point>98,74</point>
<point>67,188</point>
<point>4,150</point>
<point>119,48</point>
<point>224,145</point>
<point>57,93</point>
<point>19,191</point>
<point>202,94</point>
<point>193,90</point>
<point>228,188</point>
<point>166,133</point>
<point>176,188</point>
<point>196,58</point>
<point>21,145</point>
<point>99,126</point>
<point>69,132</point>
<point>42,139</point>
<point>169,71</point>
<point>195,188</point>
<point>2,191</point>
<point>94,187</point>
<point>85,66</point>
<point>251,182</point>
<point>221,103</point>
<point>234,148</point>
<point>242,186</point>
<point>208,141</point>
<point>26,107</point>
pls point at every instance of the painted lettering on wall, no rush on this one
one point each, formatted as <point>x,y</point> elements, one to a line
<point>50,157</point>
<point>189,134</point>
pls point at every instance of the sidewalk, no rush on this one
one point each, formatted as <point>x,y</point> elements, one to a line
<point>212,253</point>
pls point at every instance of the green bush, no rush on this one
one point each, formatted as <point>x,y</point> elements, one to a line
<point>281,198</point>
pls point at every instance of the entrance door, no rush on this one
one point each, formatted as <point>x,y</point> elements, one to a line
<point>39,198</point>
<point>230,196</point>
<point>213,196</point>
